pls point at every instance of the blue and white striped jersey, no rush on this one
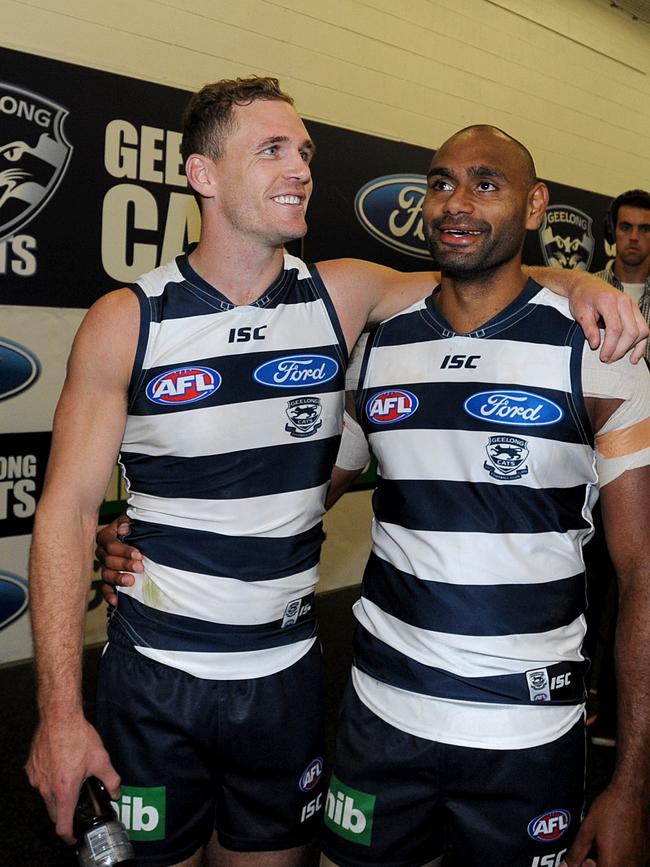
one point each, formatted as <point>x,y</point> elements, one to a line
<point>234,421</point>
<point>471,619</point>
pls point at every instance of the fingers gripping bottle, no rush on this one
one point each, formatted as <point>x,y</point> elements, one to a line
<point>102,841</point>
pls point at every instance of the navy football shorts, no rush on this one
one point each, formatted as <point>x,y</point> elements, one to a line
<point>242,756</point>
<point>396,800</point>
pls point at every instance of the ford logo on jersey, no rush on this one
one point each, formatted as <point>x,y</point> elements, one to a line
<point>390,208</point>
<point>311,775</point>
<point>391,406</point>
<point>19,368</point>
<point>297,371</point>
<point>549,826</point>
<point>183,385</point>
<point>513,407</point>
<point>13,598</point>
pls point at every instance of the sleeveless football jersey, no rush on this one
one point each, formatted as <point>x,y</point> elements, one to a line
<point>471,619</point>
<point>234,421</point>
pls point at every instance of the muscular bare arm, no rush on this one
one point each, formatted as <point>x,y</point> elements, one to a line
<point>366,292</point>
<point>616,826</point>
<point>88,428</point>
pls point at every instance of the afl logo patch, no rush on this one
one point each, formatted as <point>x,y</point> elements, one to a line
<point>13,598</point>
<point>183,385</point>
<point>549,826</point>
<point>390,209</point>
<point>311,775</point>
<point>513,407</point>
<point>297,371</point>
<point>19,368</point>
<point>390,406</point>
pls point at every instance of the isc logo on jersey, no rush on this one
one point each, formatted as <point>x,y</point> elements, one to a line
<point>549,826</point>
<point>390,406</point>
<point>183,385</point>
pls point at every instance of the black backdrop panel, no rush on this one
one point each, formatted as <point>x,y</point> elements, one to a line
<point>91,189</point>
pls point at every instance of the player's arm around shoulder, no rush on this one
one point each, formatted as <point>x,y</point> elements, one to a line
<point>366,292</point>
<point>87,431</point>
<point>616,826</point>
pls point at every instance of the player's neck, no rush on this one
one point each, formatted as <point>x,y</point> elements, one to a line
<point>242,271</point>
<point>468,302</point>
<point>631,273</point>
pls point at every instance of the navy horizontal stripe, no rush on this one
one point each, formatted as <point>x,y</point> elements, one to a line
<point>441,407</point>
<point>238,384</point>
<point>530,322</point>
<point>294,466</point>
<point>388,665</point>
<point>149,627</point>
<point>463,609</point>
<point>479,507</point>
<point>247,558</point>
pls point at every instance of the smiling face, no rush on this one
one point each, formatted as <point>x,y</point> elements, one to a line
<point>481,198</point>
<point>262,181</point>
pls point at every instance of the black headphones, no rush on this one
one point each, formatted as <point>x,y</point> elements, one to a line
<point>637,198</point>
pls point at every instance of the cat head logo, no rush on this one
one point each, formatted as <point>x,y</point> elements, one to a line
<point>566,238</point>
<point>34,155</point>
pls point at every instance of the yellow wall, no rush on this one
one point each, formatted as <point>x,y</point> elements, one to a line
<point>568,77</point>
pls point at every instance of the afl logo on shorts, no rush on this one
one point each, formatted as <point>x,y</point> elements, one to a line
<point>390,406</point>
<point>311,775</point>
<point>549,826</point>
<point>183,385</point>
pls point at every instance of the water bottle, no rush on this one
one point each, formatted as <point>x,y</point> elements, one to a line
<point>102,841</point>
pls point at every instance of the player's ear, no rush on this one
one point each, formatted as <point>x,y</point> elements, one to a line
<point>198,169</point>
<point>537,202</point>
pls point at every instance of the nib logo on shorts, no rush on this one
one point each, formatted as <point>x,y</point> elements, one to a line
<point>142,812</point>
<point>349,812</point>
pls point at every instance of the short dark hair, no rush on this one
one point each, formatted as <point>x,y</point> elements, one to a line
<point>634,198</point>
<point>208,118</point>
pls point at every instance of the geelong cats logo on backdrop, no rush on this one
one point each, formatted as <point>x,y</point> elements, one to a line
<point>34,155</point>
<point>566,238</point>
<point>390,208</point>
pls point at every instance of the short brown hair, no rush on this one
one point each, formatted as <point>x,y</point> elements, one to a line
<point>208,118</point>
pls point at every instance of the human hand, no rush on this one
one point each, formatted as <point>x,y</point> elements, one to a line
<point>625,326</point>
<point>118,560</point>
<point>65,751</point>
<point>613,834</point>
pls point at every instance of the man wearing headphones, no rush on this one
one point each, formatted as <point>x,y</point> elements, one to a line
<point>628,226</point>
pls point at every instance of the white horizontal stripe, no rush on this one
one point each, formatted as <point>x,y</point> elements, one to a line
<point>209,431</point>
<point>465,724</point>
<point>547,298</point>
<point>216,599</point>
<point>155,281</point>
<point>540,365</point>
<point>243,665</point>
<point>273,516</point>
<point>459,456</point>
<point>480,558</point>
<point>181,340</point>
<point>473,655</point>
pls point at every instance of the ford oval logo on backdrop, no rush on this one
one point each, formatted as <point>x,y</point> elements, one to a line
<point>19,368</point>
<point>13,598</point>
<point>183,385</point>
<point>513,407</point>
<point>294,371</point>
<point>390,208</point>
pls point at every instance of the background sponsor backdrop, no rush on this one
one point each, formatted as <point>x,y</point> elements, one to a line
<point>92,195</point>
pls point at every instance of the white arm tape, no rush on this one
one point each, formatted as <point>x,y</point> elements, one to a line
<point>354,453</point>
